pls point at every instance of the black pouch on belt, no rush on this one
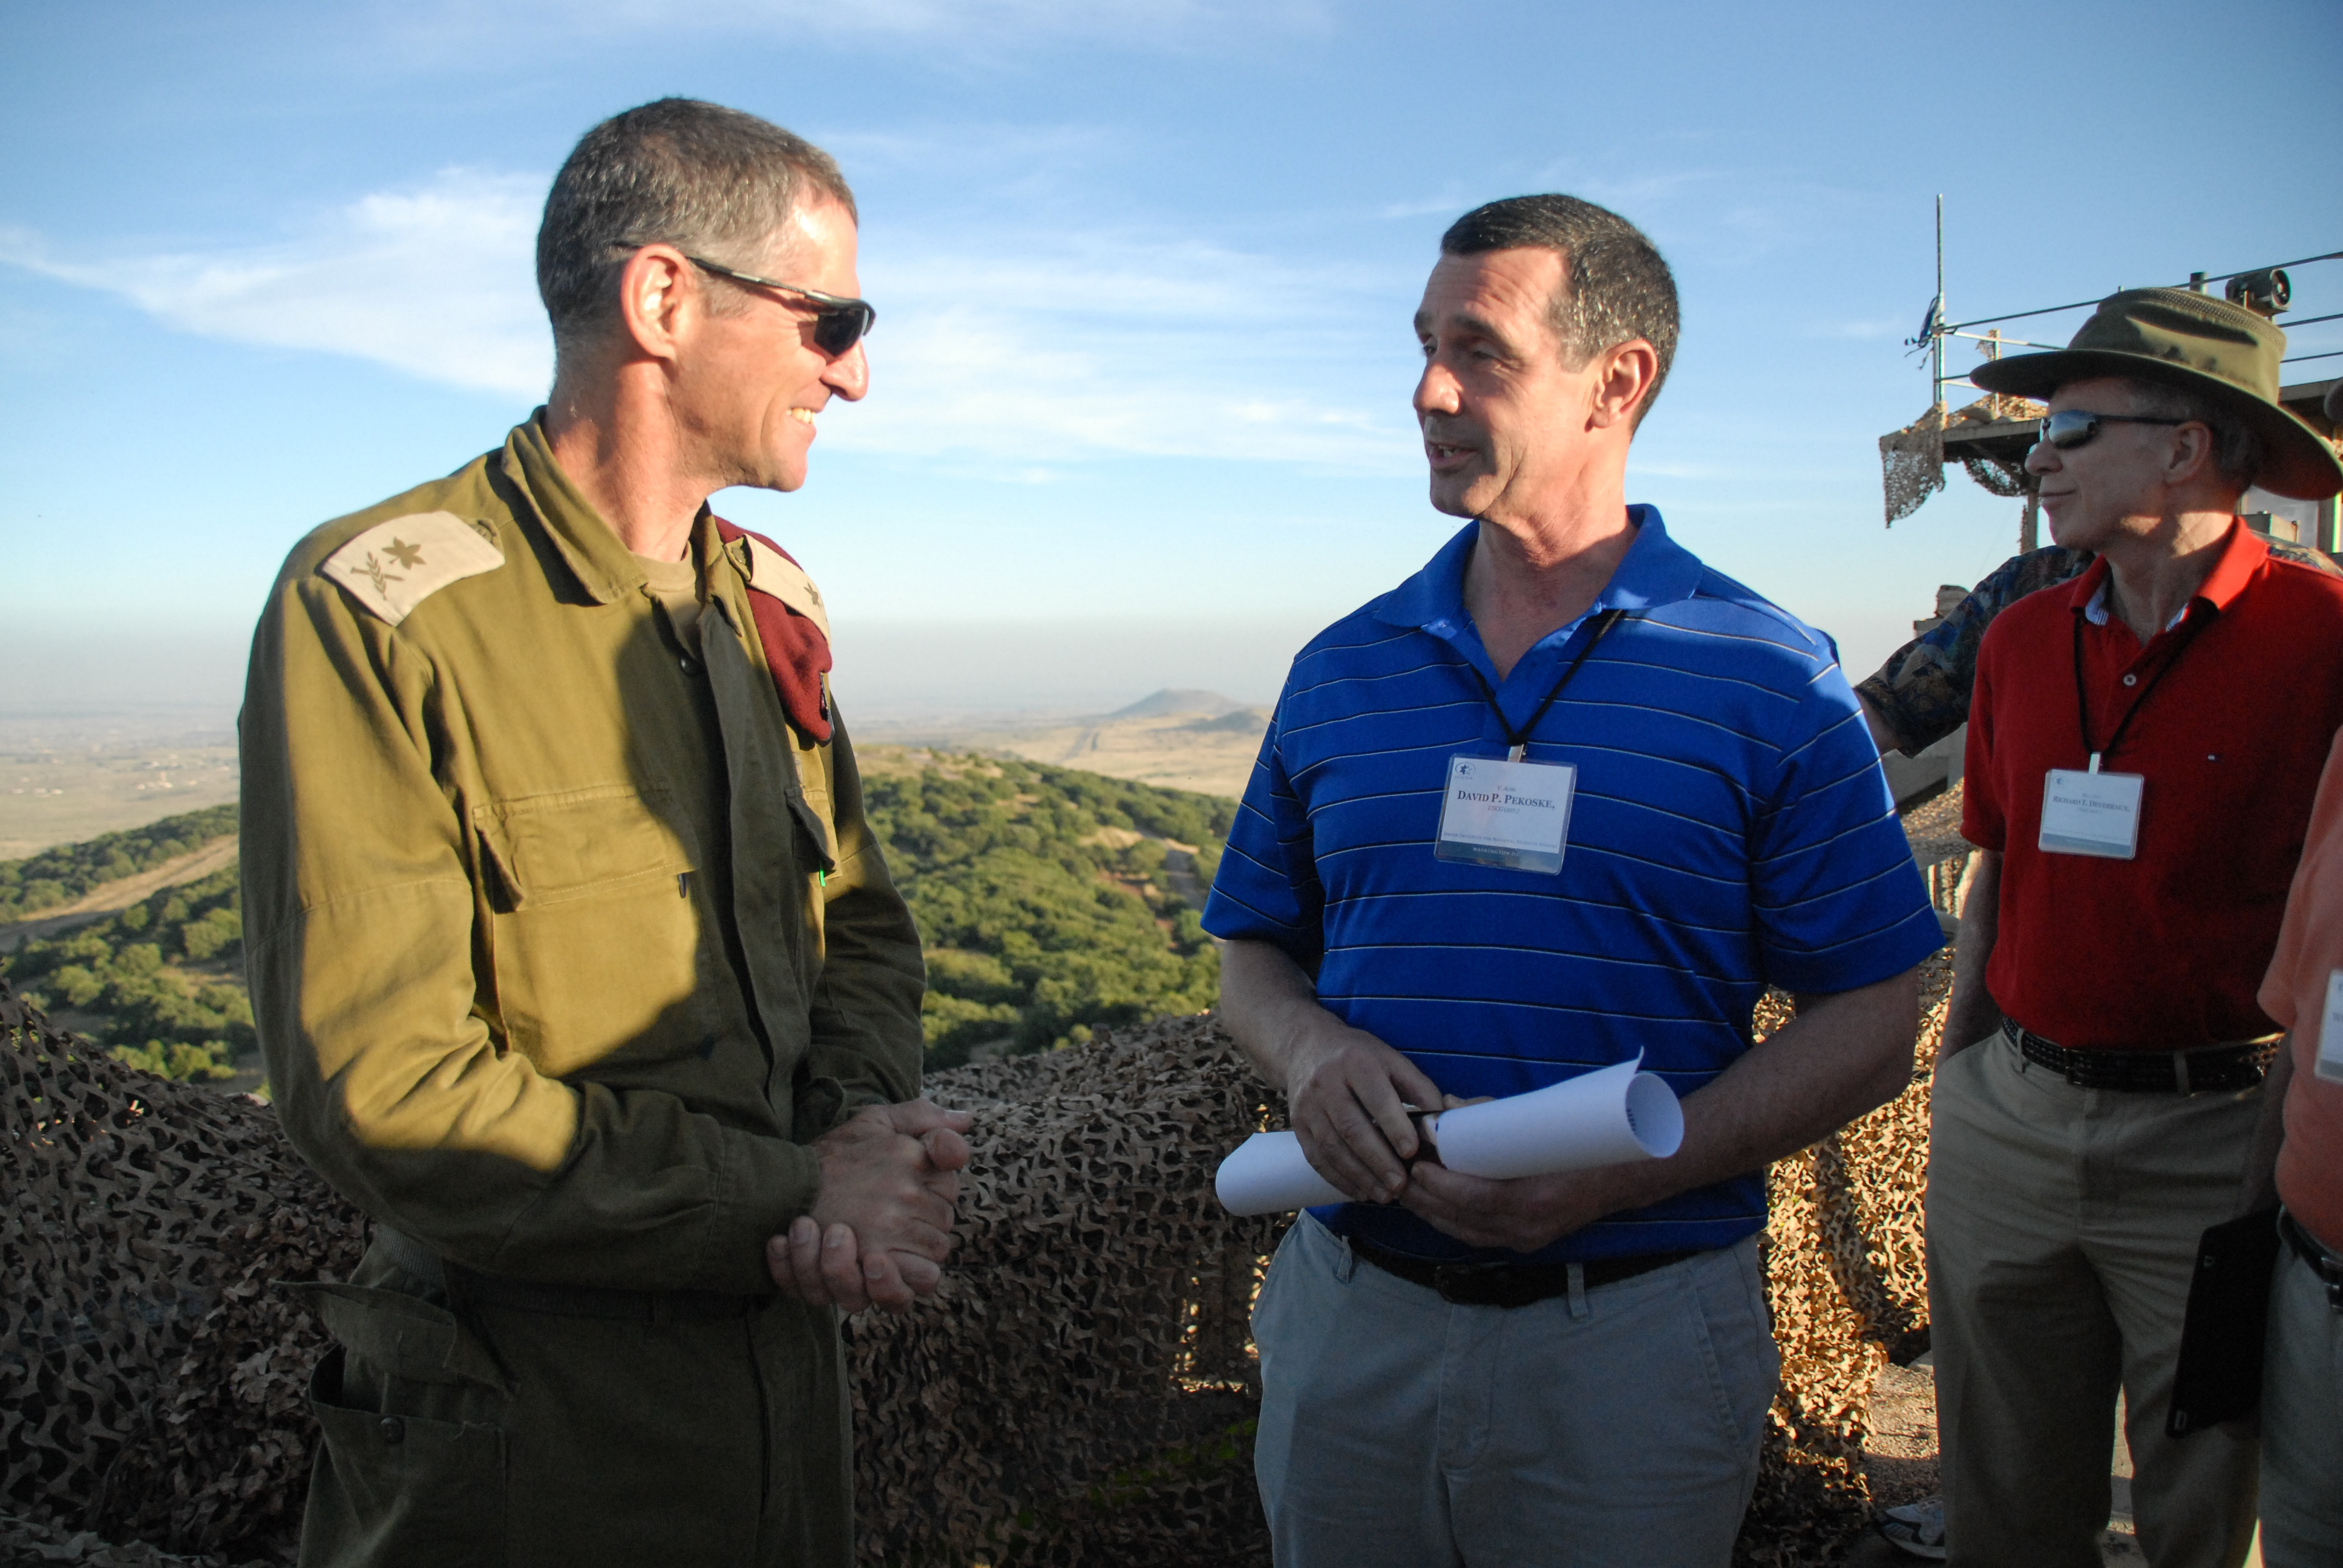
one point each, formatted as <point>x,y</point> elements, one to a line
<point>2220,1377</point>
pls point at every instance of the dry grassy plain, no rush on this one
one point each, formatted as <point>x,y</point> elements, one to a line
<point>1178,750</point>
<point>67,786</point>
<point>63,790</point>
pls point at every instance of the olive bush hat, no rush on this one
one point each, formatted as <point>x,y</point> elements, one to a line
<point>2193,341</point>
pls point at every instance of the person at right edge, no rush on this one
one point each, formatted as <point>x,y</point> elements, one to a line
<point>2298,1158</point>
<point>2144,746</point>
<point>1574,1368</point>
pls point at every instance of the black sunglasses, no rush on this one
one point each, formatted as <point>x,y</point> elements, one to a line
<point>839,323</point>
<point>2071,428</point>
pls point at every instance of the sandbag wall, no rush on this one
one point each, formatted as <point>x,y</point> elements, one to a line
<point>1080,1391</point>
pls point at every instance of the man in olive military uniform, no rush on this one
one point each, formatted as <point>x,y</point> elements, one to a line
<point>575,962</point>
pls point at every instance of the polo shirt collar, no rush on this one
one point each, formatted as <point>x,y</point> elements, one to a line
<point>2242,555</point>
<point>1655,571</point>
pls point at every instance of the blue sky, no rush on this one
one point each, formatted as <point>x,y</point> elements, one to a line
<point>1140,412</point>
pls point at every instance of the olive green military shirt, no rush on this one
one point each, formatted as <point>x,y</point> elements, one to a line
<point>563,942</point>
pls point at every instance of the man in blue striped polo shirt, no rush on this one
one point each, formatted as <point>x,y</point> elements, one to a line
<point>1570,1368</point>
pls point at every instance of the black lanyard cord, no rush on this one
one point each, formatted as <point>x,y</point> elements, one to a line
<point>1517,740</point>
<point>2083,698</point>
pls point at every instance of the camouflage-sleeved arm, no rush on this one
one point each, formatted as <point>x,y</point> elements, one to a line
<point>1922,692</point>
<point>2303,556</point>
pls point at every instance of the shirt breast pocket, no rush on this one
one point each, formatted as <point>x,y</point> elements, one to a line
<point>596,936</point>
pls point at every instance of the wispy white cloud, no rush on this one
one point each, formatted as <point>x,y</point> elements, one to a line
<point>1869,330</point>
<point>437,280</point>
<point>1013,348</point>
<point>1723,214</point>
<point>1091,344</point>
<point>967,31</point>
<point>1425,206</point>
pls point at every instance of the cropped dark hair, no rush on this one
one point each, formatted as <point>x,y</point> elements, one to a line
<point>1617,286</point>
<point>710,181</point>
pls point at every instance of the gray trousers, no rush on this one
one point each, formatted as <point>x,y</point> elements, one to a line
<point>2063,1226</point>
<point>2302,1423</point>
<point>1615,1428</point>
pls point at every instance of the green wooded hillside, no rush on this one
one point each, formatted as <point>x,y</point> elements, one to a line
<point>64,873</point>
<point>1046,898</point>
<point>161,983</point>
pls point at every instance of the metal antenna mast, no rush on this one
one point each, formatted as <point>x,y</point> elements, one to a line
<point>1936,338</point>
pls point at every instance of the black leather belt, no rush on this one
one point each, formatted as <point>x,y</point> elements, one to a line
<point>2327,1265</point>
<point>2211,1069</point>
<point>1508,1284</point>
<point>471,1288</point>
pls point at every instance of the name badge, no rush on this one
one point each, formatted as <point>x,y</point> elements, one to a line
<point>2091,813</point>
<point>1515,815</point>
<point>2329,1067</point>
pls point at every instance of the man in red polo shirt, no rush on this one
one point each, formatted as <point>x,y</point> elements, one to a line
<point>2144,746</point>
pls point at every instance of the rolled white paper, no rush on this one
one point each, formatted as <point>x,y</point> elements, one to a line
<point>1607,1117</point>
<point>1268,1174</point>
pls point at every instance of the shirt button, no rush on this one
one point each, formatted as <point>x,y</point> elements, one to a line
<point>690,665</point>
<point>394,1430</point>
<point>2128,679</point>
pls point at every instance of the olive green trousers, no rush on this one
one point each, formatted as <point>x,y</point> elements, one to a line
<point>461,1433</point>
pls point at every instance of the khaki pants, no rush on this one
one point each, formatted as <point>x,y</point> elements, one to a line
<point>2063,1225</point>
<point>1617,1428</point>
<point>490,1436</point>
<point>2302,1423</point>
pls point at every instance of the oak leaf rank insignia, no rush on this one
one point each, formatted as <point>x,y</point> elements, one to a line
<point>395,566</point>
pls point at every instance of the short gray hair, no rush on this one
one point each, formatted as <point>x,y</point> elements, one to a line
<point>1617,285</point>
<point>710,181</point>
<point>2238,450</point>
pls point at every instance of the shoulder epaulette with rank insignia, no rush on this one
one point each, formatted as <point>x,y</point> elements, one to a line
<point>393,567</point>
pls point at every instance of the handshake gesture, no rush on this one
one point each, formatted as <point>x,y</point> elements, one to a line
<point>881,1223</point>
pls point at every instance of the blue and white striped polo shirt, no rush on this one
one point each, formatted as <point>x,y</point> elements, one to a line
<point>1730,830</point>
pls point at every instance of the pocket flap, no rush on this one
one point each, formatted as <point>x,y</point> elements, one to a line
<point>403,1335</point>
<point>581,843</point>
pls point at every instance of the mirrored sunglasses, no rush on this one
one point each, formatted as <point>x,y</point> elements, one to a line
<point>2071,428</point>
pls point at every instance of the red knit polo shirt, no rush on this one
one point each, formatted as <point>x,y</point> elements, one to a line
<point>2164,951</point>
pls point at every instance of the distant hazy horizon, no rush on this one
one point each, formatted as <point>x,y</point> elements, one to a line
<point>889,672</point>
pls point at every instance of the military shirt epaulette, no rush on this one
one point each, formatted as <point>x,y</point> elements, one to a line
<point>1923,689</point>
<point>395,566</point>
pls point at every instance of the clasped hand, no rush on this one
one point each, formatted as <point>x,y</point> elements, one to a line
<point>1349,1096</point>
<point>880,1225</point>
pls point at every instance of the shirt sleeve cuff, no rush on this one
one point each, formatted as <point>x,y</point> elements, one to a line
<point>766,1183</point>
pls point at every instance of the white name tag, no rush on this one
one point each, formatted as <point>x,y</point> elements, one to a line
<point>2091,813</point>
<point>2330,1031</point>
<point>1510,814</point>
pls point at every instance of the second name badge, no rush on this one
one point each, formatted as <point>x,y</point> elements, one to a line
<point>2327,1065</point>
<point>1515,815</point>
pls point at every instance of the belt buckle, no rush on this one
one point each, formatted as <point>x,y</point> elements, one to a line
<point>1456,1283</point>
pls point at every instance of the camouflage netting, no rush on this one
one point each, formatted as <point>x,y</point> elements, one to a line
<point>1912,460</point>
<point>1912,464</point>
<point>1082,1392</point>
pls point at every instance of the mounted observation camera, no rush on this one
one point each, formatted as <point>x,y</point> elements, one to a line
<point>2264,292</point>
